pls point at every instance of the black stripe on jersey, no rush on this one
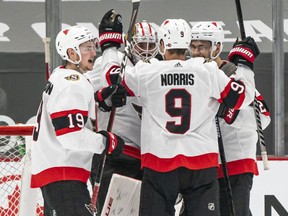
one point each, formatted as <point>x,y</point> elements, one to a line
<point>234,94</point>
<point>69,121</point>
<point>262,102</point>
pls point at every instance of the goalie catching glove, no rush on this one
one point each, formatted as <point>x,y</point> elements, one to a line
<point>244,52</point>
<point>111,96</point>
<point>110,30</point>
<point>114,143</point>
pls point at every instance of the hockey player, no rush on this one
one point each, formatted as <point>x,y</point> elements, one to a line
<point>63,141</point>
<point>128,118</point>
<point>239,134</point>
<point>179,153</point>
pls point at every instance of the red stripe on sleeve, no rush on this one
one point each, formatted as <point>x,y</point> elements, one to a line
<point>225,92</point>
<point>113,70</point>
<point>129,91</point>
<point>67,112</point>
<point>64,121</point>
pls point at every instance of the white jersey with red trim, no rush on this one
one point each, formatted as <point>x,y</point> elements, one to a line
<point>178,98</point>
<point>63,140</point>
<point>240,139</point>
<point>127,119</point>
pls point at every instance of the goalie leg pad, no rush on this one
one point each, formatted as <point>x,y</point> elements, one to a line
<point>123,196</point>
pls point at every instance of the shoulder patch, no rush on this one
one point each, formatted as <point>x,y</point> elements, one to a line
<point>73,77</point>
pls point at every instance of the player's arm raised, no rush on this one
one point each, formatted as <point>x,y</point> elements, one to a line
<point>240,91</point>
<point>243,55</point>
<point>110,38</point>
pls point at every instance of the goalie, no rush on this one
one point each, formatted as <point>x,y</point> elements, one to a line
<point>127,118</point>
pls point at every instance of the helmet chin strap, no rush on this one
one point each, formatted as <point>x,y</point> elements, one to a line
<point>214,57</point>
<point>75,62</point>
<point>162,53</point>
<point>79,69</point>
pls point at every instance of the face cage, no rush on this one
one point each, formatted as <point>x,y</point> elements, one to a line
<point>143,54</point>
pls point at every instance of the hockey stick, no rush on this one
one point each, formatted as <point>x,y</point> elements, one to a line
<point>47,41</point>
<point>135,7</point>
<point>255,103</point>
<point>224,168</point>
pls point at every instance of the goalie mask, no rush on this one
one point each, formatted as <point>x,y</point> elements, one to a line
<point>175,34</point>
<point>144,42</point>
<point>209,31</point>
<point>72,37</point>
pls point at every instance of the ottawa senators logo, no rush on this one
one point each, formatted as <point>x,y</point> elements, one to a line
<point>73,77</point>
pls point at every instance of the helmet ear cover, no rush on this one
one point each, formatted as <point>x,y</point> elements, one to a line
<point>71,38</point>
<point>209,31</point>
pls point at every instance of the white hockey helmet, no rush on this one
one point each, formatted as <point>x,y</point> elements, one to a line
<point>209,31</point>
<point>175,34</point>
<point>144,41</point>
<point>72,37</point>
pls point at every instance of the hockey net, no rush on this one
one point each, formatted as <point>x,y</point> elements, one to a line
<point>16,196</point>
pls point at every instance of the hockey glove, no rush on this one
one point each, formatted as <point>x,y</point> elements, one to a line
<point>244,52</point>
<point>114,143</point>
<point>110,30</point>
<point>228,114</point>
<point>110,96</point>
<point>119,97</point>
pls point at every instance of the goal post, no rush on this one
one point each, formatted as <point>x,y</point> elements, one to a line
<point>16,196</point>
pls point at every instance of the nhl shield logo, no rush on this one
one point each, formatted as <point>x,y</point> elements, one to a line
<point>211,206</point>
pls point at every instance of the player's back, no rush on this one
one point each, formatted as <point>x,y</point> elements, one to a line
<point>179,89</point>
<point>179,106</point>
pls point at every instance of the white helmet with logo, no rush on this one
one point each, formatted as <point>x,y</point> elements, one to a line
<point>144,41</point>
<point>209,31</point>
<point>175,34</point>
<point>72,37</point>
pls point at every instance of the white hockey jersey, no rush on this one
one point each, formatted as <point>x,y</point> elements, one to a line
<point>240,140</point>
<point>178,98</point>
<point>127,122</point>
<point>63,142</point>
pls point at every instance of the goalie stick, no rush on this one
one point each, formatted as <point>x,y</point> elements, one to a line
<point>47,41</point>
<point>255,102</point>
<point>135,7</point>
